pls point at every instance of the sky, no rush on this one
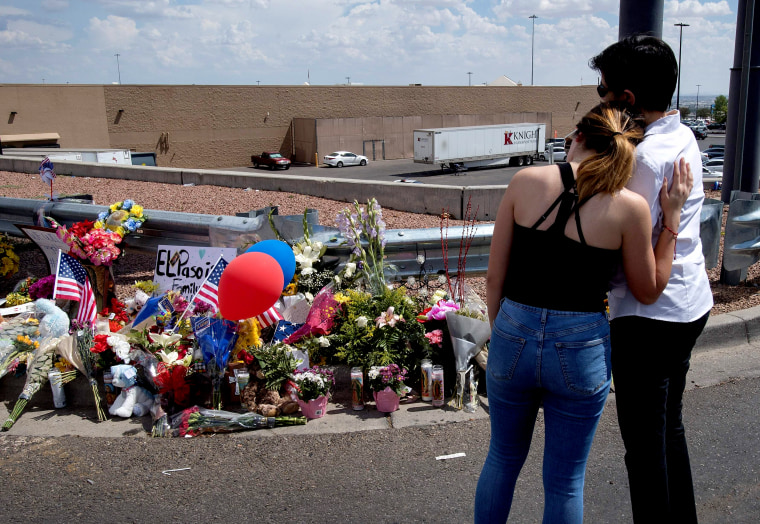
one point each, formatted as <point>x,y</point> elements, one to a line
<point>330,42</point>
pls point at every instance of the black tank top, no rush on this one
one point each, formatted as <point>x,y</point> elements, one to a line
<point>549,270</point>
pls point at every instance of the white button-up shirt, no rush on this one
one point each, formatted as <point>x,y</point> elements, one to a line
<point>687,296</point>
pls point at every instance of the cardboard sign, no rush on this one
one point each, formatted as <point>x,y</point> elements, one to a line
<point>185,268</point>
<point>47,241</point>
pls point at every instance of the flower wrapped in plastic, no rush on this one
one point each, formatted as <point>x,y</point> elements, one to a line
<point>99,246</point>
<point>216,337</point>
<point>320,319</point>
<point>18,338</point>
<point>196,421</point>
<point>122,217</point>
<point>468,336</point>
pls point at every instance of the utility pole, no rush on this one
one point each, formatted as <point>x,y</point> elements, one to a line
<point>348,80</point>
<point>680,41</point>
<point>697,110</point>
<point>532,43</point>
<point>469,78</point>
<point>118,68</point>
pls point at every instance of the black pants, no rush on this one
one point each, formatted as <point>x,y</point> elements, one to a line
<point>650,359</point>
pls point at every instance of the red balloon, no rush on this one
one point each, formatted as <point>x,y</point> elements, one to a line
<point>249,285</point>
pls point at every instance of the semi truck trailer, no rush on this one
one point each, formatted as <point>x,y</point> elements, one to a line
<point>460,148</point>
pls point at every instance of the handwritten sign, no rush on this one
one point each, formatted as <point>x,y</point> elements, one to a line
<point>184,268</point>
<point>47,241</point>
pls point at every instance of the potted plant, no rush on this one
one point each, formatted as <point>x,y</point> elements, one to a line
<point>387,385</point>
<point>312,387</point>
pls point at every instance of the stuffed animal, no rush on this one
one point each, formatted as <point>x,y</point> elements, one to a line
<point>258,399</point>
<point>133,399</point>
<point>54,323</point>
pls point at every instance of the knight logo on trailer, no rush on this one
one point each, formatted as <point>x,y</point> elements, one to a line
<point>520,137</point>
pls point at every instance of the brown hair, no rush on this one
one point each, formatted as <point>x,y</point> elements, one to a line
<point>613,132</point>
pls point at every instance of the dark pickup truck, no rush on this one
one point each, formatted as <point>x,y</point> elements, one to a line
<point>271,159</point>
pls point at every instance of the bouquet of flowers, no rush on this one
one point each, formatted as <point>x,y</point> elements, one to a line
<point>196,421</point>
<point>313,383</point>
<point>122,217</point>
<point>392,376</point>
<point>9,260</point>
<point>42,288</point>
<point>88,243</point>
<point>216,338</point>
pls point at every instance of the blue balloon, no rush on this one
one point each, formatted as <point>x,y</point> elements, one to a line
<point>281,252</point>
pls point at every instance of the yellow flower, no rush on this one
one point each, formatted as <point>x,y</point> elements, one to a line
<point>121,231</point>
<point>136,211</point>
<point>115,207</point>
<point>340,298</point>
<point>98,225</point>
<point>290,290</point>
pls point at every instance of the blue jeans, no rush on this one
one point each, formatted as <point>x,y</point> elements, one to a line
<point>560,359</point>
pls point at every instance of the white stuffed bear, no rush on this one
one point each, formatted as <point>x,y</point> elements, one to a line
<point>133,399</point>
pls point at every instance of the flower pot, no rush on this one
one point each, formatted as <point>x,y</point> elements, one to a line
<point>386,400</point>
<point>315,408</point>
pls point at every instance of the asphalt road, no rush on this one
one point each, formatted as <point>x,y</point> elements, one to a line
<point>387,476</point>
<point>406,170</point>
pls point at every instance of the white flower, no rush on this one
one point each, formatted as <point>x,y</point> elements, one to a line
<point>350,269</point>
<point>373,372</point>
<point>120,347</point>
<point>362,321</point>
<point>389,318</point>
<point>323,342</point>
<point>309,297</point>
<point>410,281</point>
<point>165,339</point>
<point>337,279</point>
<point>420,259</point>
<point>441,279</point>
<point>308,271</point>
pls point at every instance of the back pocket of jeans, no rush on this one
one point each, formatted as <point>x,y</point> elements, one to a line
<point>503,354</point>
<point>585,364</point>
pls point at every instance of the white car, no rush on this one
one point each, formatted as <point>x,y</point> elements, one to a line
<point>345,158</point>
<point>560,155</point>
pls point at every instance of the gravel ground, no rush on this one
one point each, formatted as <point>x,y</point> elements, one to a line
<point>229,201</point>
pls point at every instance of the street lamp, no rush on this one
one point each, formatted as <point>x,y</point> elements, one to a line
<point>532,42</point>
<point>348,80</point>
<point>680,41</point>
<point>469,78</point>
<point>696,112</point>
<point>117,66</point>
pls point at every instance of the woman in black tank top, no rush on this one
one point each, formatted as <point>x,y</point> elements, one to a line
<point>560,235</point>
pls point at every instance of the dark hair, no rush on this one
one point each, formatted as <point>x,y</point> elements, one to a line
<point>645,65</point>
<point>612,132</point>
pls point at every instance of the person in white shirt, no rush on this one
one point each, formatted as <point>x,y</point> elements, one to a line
<point>652,344</point>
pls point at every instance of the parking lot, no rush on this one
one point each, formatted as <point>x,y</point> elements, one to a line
<point>406,171</point>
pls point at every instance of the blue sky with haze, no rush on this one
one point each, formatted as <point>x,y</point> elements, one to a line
<point>374,42</point>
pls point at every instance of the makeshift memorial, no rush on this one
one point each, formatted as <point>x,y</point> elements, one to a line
<point>116,315</point>
<point>249,285</point>
<point>197,421</point>
<point>72,283</point>
<point>122,217</point>
<point>320,319</point>
<point>9,260</point>
<point>43,288</point>
<point>88,243</point>
<point>216,337</point>
<point>312,388</point>
<point>387,385</point>
<point>133,399</point>
<point>248,341</point>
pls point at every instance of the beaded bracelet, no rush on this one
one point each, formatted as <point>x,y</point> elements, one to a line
<point>675,238</point>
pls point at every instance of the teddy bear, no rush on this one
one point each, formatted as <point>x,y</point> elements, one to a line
<point>258,399</point>
<point>133,399</point>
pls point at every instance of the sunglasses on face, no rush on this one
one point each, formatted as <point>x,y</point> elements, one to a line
<point>602,90</point>
<point>569,140</point>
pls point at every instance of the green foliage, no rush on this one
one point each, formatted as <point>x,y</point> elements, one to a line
<point>720,111</point>
<point>703,112</point>
<point>685,111</point>
<point>277,363</point>
<point>360,342</point>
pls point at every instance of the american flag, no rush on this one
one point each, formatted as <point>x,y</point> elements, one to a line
<point>47,171</point>
<point>269,317</point>
<point>71,283</point>
<point>209,291</point>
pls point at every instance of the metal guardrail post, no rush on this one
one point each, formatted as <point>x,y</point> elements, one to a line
<point>710,227</point>
<point>741,247</point>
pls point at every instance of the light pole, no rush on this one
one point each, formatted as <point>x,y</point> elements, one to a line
<point>348,80</point>
<point>118,68</point>
<point>697,110</point>
<point>680,41</point>
<point>469,78</point>
<point>532,42</point>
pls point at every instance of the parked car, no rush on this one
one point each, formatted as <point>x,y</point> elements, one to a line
<point>345,158</point>
<point>700,131</point>
<point>714,153</point>
<point>715,126</point>
<point>271,159</point>
<point>560,155</point>
<point>715,164</point>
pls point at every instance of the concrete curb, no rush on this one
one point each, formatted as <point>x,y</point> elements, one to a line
<point>730,329</point>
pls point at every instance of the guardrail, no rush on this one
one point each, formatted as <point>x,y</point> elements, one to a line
<point>414,252</point>
<point>741,248</point>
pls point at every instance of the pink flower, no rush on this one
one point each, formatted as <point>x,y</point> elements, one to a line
<point>435,337</point>
<point>438,312</point>
<point>388,319</point>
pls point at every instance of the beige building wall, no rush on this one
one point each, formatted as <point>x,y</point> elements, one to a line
<point>222,126</point>
<point>76,112</point>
